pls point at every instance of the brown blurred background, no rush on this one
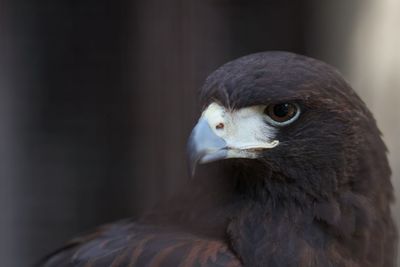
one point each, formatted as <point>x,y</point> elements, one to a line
<point>97,97</point>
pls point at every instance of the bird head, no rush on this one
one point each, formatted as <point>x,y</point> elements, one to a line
<point>295,116</point>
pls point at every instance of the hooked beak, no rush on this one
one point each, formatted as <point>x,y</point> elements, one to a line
<point>222,134</point>
<point>205,146</point>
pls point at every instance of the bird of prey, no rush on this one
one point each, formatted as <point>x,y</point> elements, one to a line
<point>296,175</point>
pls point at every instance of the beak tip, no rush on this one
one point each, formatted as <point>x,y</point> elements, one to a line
<point>192,168</point>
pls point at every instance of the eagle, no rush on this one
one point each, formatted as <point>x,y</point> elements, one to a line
<point>289,169</point>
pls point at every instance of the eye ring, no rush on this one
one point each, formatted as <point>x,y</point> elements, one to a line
<point>282,114</point>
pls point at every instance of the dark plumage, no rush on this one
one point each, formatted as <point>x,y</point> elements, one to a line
<point>320,198</point>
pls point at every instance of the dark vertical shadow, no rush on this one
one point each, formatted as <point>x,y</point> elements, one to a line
<point>76,129</point>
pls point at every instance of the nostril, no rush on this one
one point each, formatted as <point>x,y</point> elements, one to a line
<point>219,126</point>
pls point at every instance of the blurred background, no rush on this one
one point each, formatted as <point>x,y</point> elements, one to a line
<point>97,98</point>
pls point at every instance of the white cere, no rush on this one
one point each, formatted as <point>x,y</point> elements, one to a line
<point>241,129</point>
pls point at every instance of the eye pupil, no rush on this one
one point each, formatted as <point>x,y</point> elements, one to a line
<point>281,110</point>
<point>282,113</point>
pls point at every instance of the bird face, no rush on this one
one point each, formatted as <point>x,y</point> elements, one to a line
<point>295,115</point>
<point>224,133</point>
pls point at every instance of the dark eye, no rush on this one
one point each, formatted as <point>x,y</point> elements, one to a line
<point>282,113</point>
